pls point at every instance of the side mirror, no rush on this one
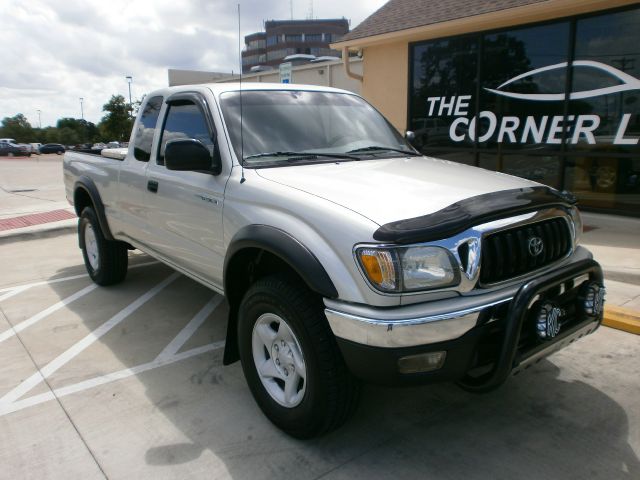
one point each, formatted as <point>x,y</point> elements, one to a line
<point>191,155</point>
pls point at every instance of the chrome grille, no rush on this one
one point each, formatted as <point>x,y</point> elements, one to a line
<point>511,253</point>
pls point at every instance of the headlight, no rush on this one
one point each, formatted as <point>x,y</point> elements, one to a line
<point>408,269</point>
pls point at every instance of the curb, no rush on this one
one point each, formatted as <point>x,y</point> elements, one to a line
<point>622,319</point>
<point>38,231</point>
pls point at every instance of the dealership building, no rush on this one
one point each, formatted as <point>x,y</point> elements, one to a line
<point>544,89</point>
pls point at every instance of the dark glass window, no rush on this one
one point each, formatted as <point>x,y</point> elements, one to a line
<point>313,37</point>
<point>524,77</point>
<point>296,37</point>
<point>300,121</point>
<point>443,87</point>
<point>184,120</point>
<point>605,93</point>
<point>146,128</point>
<point>273,40</point>
<point>605,182</point>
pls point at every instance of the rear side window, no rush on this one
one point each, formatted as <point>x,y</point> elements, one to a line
<point>184,120</point>
<point>146,129</point>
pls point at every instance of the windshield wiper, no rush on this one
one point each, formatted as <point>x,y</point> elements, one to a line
<point>303,155</point>
<point>376,148</point>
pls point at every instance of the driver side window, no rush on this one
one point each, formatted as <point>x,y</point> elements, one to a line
<point>184,121</point>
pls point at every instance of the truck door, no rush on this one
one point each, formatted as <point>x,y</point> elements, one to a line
<point>185,207</point>
<point>130,217</point>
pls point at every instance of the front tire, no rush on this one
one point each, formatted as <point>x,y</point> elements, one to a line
<point>291,360</point>
<point>106,261</point>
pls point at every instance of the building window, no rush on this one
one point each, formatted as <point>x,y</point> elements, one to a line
<point>273,40</point>
<point>256,44</point>
<point>557,103</point>
<point>514,85</point>
<point>313,37</point>
<point>607,55</point>
<point>297,37</point>
<point>276,54</point>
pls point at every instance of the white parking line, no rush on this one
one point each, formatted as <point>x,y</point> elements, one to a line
<point>187,332</point>
<point>45,313</point>
<point>22,288</point>
<point>14,291</point>
<point>111,377</point>
<point>81,345</point>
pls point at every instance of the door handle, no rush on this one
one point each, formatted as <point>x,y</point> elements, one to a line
<point>152,186</point>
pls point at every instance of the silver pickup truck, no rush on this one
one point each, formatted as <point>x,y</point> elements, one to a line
<point>344,254</point>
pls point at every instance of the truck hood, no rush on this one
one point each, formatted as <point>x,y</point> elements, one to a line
<point>387,190</point>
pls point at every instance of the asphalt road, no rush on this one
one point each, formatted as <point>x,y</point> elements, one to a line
<point>130,384</point>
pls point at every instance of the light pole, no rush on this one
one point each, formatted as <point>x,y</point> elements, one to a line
<point>81,109</point>
<point>129,80</point>
<point>39,119</point>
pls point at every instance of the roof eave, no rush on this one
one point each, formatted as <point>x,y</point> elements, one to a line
<point>502,18</point>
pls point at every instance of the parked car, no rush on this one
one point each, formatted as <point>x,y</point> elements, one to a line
<point>35,148</point>
<point>345,255</point>
<point>52,148</point>
<point>25,148</point>
<point>10,150</point>
<point>8,140</point>
<point>113,144</point>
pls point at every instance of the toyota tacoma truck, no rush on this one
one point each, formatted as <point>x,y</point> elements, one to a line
<point>344,254</point>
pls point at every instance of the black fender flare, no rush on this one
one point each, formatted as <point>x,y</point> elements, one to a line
<point>85,183</point>
<point>289,250</point>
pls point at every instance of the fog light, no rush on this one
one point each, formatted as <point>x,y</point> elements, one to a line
<point>424,362</point>
<point>594,299</point>
<point>548,321</point>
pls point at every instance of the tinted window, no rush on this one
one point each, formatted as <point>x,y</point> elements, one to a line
<point>146,128</point>
<point>184,120</point>
<point>276,121</point>
<point>520,88</point>
<point>606,83</point>
<point>443,88</point>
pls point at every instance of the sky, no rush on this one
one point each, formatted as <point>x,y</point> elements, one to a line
<point>56,51</point>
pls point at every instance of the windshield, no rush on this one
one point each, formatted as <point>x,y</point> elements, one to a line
<point>278,125</point>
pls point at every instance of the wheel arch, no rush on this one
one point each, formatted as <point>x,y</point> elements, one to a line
<point>259,250</point>
<point>86,194</point>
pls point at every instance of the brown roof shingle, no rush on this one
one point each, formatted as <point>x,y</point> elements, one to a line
<point>398,15</point>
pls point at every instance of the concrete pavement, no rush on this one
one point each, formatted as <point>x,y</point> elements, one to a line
<point>134,387</point>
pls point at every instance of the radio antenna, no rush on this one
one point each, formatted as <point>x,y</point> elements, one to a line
<point>242,179</point>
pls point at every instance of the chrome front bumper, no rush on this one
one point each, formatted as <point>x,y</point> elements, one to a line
<point>407,326</point>
<point>421,323</point>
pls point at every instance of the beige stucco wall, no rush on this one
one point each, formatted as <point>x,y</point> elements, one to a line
<point>385,83</point>
<point>328,74</point>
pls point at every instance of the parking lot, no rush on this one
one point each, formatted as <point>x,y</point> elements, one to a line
<point>127,381</point>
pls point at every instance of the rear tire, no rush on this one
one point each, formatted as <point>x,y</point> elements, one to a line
<point>276,312</point>
<point>106,261</point>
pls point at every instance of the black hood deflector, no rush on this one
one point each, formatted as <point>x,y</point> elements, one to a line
<point>458,217</point>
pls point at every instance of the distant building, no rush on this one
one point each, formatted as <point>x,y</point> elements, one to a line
<point>282,38</point>
<point>192,77</point>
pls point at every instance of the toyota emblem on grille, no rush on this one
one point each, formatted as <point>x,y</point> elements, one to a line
<point>535,246</point>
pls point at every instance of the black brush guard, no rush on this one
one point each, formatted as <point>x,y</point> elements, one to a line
<point>508,360</point>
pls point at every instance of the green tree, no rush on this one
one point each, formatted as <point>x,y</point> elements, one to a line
<point>85,131</point>
<point>68,136</point>
<point>17,127</point>
<point>50,135</point>
<point>117,123</point>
